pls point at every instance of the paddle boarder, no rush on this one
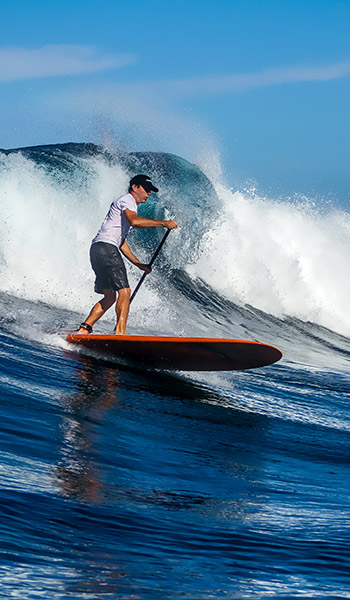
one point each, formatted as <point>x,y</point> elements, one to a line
<point>107,246</point>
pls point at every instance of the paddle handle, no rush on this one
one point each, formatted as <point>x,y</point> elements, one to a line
<point>150,264</point>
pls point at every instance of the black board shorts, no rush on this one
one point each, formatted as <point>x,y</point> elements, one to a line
<point>108,267</point>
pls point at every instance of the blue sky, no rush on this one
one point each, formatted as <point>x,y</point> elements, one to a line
<point>259,87</point>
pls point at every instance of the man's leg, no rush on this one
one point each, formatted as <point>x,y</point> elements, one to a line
<point>99,309</point>
<point>122,310</point>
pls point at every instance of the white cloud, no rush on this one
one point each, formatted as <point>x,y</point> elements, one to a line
<point>54,60</point>
<point>245,81</point>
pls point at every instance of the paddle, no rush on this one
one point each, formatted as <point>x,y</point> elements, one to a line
<point>149,264</point>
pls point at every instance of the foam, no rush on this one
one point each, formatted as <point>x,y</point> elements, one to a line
<point>283,257</point>
<point>47,228</point>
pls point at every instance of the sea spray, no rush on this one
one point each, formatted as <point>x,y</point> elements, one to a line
<point>48,223</point>
<point>283,257</point>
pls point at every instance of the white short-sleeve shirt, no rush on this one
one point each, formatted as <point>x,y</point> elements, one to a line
<point>115,227</point>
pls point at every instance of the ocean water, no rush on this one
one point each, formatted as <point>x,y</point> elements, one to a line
<point>123,483</point>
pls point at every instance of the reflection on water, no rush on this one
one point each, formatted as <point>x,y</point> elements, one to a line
<point>120,427</point>
<point>78,467</point>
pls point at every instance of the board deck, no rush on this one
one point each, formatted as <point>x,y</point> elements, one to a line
<point>181,353</point>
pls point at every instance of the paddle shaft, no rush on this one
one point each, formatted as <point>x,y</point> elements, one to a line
<point>149,264</point>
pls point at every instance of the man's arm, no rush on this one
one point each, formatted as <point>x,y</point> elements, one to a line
<point>126,250</point>
<point>137,221</point>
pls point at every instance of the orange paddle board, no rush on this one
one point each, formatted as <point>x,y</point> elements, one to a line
<point>180,353</point>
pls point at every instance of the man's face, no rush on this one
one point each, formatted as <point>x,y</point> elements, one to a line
<point>140,194</point>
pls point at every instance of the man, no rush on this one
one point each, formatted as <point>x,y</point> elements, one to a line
<point>106,261</point>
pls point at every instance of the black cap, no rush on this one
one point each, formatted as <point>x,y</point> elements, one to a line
<point>145,181</point>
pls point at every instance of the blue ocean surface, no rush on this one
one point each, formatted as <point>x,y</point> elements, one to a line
<point>122,482</point>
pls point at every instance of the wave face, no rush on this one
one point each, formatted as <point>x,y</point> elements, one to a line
<point>238,265</point>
